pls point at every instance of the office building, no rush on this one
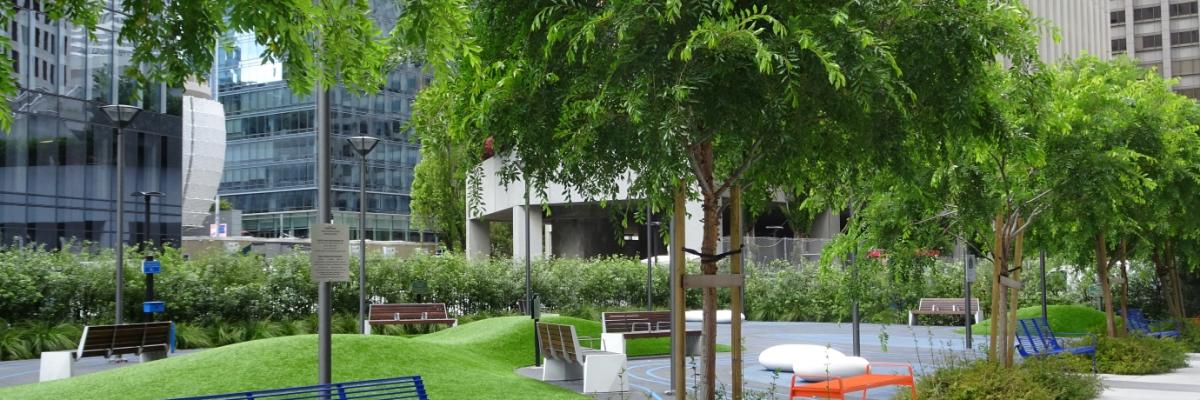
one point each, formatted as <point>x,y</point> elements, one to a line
<point>270,164</point>
<point>1160,34</point>
<point>58,160</point>
<point>1072,27</point>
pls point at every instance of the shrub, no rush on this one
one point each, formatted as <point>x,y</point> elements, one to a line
<point>1139,355</point>
<point>1048,378</point>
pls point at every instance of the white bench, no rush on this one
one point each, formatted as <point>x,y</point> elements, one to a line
<point>149,341</point>
<point>564,360</point>
<point>617,327</point>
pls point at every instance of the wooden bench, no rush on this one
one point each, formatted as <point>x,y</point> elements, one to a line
<point>149,341</point>
<point>837,387</point>
<point>943,306</point>
<point>620,326</point>
<point>407,387</point>
<point>564,359</point>
<point>408,314</point>
<point>1035,339</point>
<point>1139,324</point>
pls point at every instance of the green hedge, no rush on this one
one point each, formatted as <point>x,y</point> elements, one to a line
<point>1139,355</point>
<point>1043,378</point>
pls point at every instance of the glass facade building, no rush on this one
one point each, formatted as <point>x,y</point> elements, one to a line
<point>270,161</point>
<point>58,160</point>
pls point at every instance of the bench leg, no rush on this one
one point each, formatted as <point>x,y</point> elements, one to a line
<point>910,319</point>
<point>366,328</point>
<point>692,345</point>
<point>56,365</point>
<point>604,373</point>
<point>148,356</point>
<point>558,370</point>
<point>612,342</point>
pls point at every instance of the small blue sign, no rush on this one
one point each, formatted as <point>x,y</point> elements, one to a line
<point>154,307</point>
<point>151,266</point>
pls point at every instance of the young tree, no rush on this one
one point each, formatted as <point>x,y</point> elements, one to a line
<point>706,96</point>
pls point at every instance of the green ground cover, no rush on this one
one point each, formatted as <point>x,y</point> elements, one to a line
<point>474,360</point>
<point>1064,319</point>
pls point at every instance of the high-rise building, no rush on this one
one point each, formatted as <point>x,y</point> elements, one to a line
<point>1161,34</point>
<point>203,155</point>
<point>270,163</point>
<point>1072,27</point>
<point>58,160</point>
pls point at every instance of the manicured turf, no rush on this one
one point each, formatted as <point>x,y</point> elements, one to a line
<point>1064,319</point>
<point>475,360</point>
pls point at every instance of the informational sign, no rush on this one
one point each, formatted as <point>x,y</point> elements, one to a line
<point>330,254</point>
<point>218,230</point>
<point>151,267</point>
<point>151,307</point>
<point>419,286</point>
<point>971,272</point>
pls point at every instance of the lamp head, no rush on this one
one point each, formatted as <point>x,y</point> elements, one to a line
<point>363,144</point>
<point>121,113</point>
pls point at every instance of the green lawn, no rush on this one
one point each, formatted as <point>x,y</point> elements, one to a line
<point>474,360</point>
<point>1063,319</point>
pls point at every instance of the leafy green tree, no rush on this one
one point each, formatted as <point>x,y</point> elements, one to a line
<point>706,96</point>
<point>173,40</point>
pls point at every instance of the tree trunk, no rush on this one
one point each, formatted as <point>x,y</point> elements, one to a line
<point>1121,257</point>
<point>1176,285</point>
<point>1105,286</point>
<point>997,308</point>
<point>1010,333</point>
<point>708,246</point>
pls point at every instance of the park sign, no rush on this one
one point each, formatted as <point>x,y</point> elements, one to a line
<point>330,255</point>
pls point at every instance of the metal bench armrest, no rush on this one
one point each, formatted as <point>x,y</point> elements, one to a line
<point>592,339</point>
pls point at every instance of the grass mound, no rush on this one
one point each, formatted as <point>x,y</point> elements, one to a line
<point>474,360</point>
<point>1064,319</point>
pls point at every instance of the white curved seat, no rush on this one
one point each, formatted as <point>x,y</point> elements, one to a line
<point>723,316</point>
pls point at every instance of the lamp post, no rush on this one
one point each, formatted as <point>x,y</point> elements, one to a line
<point>363,146</point>
<point>146,196</point>
<point>651,259</point>
<point>121,114</point>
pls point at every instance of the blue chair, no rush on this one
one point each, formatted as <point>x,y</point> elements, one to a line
<point>402,388</point>
<point>1035,339</point>
<point>1138,323</point>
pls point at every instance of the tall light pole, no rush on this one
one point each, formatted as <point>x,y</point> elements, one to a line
<point>121,114</point>
<point>324,216</point>
<point>146,196</point>
<point>363,146</point>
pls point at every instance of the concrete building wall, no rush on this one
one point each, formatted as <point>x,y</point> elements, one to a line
<point>1160,34</point>
<point>1082,26</point>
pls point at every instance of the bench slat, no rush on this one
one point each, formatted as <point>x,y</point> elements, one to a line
<point>410,387</point>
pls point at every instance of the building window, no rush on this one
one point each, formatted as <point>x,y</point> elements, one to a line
<point>1180,9</point>
<point>1185,37</point>
<point>1147,13</point>
<point>1150,42</point>
<point>1185,67</point>
<point>1118,45</point>
<point>1117,17</point>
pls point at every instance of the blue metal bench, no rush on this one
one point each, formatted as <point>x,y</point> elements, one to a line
<point>1034,339</point>
<point>402,388</point>
<point>1139,324</point>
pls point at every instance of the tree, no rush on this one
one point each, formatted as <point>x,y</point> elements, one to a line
<point>174,40</point>
<point>708,96</point>
<point>1117,118</point>
<point>439,179</point>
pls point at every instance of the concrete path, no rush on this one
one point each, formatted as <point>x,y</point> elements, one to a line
<point>922,346</point>
<point>1181,384</point>
<point>21,372</point>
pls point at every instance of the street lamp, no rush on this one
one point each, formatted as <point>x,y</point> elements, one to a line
<point>363,146</point>
<point>142,246</point>
<point>121,114</point>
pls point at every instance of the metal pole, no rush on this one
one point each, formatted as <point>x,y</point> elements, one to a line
<point>120,242</point>
<point>671,280</point>
<point>970,265</point>
<point>324,215</point>
<point>855,322</point>
<point>537,351</point>
<point>649,262</point>
<point>362,244</point>
<point>146,238</point>
<point>1042,263</point>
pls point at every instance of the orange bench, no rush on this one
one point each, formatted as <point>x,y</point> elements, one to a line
<point>836,388</point>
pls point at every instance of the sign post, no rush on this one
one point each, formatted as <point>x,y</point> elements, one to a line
<point>968,279</point>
